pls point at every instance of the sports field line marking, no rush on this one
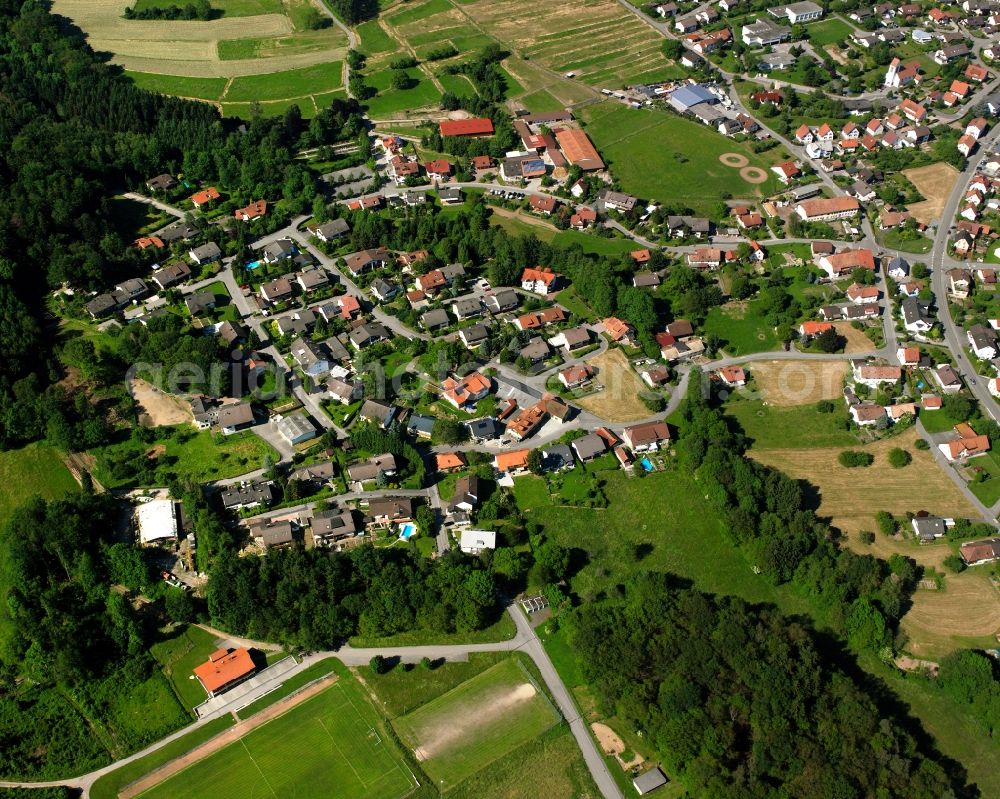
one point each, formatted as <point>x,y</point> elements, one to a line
<point>341,752</point>
<point>259,769</point>
<point>397,764</point>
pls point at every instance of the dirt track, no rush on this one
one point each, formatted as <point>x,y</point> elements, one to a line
<point>223,739</point>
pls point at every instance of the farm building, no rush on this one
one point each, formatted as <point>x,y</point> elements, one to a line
<point>579,150</point>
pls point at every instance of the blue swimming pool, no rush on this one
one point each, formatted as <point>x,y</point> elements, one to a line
<point>407,530</point>
<point>253,265</point>
<point>646,464</point>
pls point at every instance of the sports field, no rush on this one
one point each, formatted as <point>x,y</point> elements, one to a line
<point>269,39</point>
<point>328,747</point>
<point>660,156</point>
<point>474,724</point>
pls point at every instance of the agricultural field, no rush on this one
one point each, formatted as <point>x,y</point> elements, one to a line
<point>36,470</point>
<point>596,39</point>
<point>643,147</point>
<point>330,746</point>
<point>463,731</point>
<point>200,59</point>
<point>846,494</point>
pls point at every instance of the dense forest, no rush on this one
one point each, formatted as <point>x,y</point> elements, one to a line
<point>743,702</point>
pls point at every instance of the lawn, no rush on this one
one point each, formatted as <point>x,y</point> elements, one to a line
<point>290,83</point>
<point>328,747</point>
<point>178,654</point>
<point>199,456</point>
<point>740,329</point>
<point>594,245</point>
<point>987,491</point>
<point>403,689</point>
<point>917,244</point>
<point>133,219</point>
<point>458,85</point>
<point>519,226</point>
<point>36,470</point>
<point>939,421</point>
<point>502,630</point>
<point>657,155</point>
<point>549,765</point>
<point>659,523</point>
<point>796,426</point>
<point>474,724</point>
<point>828,31</point>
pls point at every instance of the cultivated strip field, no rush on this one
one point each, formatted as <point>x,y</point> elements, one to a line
<point>474,724</point>
<point>597,39</point>
<point>200,59</point>
<point>328,747</point>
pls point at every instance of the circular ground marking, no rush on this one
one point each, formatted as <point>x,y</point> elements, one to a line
<point>734,159</point>
<point>753,174</point>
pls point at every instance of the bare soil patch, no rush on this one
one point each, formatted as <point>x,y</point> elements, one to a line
<point>851,497</point>
<point>158,409</point>
<point>857,341</point>
<point>753,174</point>
<point>619,400</point>
<point>935,183</point>
<point>225,738</point>
<point>736,160</point>
<point>612,744</point>
<point>453,728</point>
<point>785,383</point>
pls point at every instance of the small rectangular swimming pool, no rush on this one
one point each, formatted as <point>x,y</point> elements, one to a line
<point>407,531</point>
<point>646,464</point>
